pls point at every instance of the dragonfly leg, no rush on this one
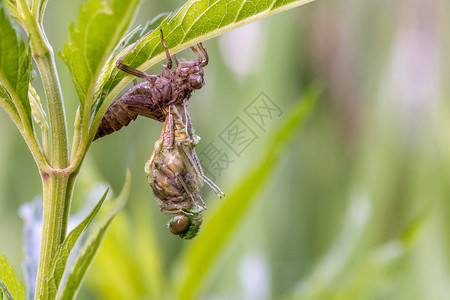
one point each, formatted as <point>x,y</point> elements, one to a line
<point>137,73</point>
<point>195,163</point>
<point>189,192</point>
<point>185,134</point>
<point>128,69</point>
<point>205,53</point>
<point>177,61</point>
<point>199,55</point>
<point>187,121</point>
<point>168,134</point>
<point>169,61</point>
<point>208,181</point>
<point>168,210</point>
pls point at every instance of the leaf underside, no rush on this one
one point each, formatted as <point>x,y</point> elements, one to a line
<point>15,66</point>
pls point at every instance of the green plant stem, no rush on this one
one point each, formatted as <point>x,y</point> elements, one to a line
<point>45,142</point>
<point>57,117</point>
<point>58,182</point>
<point>53,227</point>
<point>45,61</point>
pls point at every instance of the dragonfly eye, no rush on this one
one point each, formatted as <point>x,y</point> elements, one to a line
<point>179,224</point>
<point>195,81</point>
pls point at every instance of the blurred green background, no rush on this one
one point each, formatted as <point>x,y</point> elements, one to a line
<point>357,208</point>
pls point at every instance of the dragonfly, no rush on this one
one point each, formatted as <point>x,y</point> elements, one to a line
<point>152,97</point>
<point>176,175</point>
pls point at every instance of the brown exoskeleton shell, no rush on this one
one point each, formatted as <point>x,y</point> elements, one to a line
<point>152,97</point>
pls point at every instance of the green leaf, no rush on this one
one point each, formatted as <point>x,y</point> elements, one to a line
<point>101,24</point>
<point>196,21</point>
<point>139,32</point>
<point>218,227</point>
<point>84,260</point>
<point>137,272</point>
<point>10,286</point>
<point>4,292</point>
<point>60,261</point>
<point>37,111</point>
<point>12,8</point>
<point>7,103</point>
<point>15,65</point>
<point>41,8</point>
<point>334,263</point>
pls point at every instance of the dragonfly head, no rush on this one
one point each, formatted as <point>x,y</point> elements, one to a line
<point>184,226</point>
<point>195,80</point>
<point>191,74</point>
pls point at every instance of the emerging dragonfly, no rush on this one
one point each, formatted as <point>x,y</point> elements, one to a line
<point>175,174</point>
<point>152,97</point>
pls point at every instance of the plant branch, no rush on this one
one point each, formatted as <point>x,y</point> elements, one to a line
<point>76,134</point>
<point>40,118</point>
<point>44,58</point>
<point>57,183</point>
<point>12,113</point>
<point>53,227</point>
<point>21,120</point>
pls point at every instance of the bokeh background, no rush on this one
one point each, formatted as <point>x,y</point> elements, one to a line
<point>357,208</point>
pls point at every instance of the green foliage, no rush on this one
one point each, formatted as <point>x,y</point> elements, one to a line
<point>15,68</point>
<point>4,292</point>
<point>64,250</point>
<point>87,254</point>
<point>7,102</point>
<point>100,26</point>
<point>338,274</point>
<point>10,286</point>
<point>41,9</point>
<point>138,269</point>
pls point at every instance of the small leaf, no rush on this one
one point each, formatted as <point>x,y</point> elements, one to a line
<point>101,24</point>
<point>218,227</point>
<point>15,64</point>
<point>7,103</point>
<point>10,286</point>
<point>4,292</point>
<point>12,8</point>
<point>86,256</point>
<point>139,32</point>
<point>37,111</point>
<point>41,8</point>
<point>60,261</point>
<point>196,21</point>
<point>334,263</point>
